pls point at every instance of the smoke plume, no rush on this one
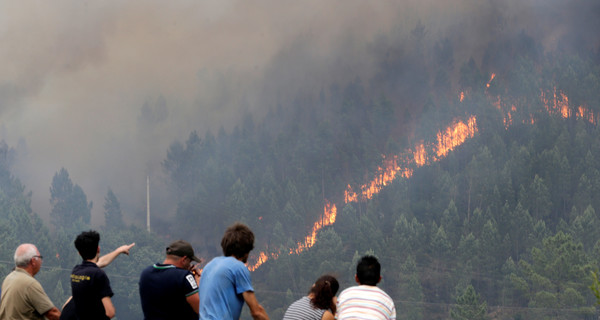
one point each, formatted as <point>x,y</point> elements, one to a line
<point>102,88</point>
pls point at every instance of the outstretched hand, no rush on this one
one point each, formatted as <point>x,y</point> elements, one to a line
<point>125,248</point>
<point>106,259</point>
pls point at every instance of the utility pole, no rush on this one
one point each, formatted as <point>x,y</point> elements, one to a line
<point>323,190</point>
<point>148,203</point>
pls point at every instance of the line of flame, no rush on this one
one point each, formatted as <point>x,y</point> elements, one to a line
<point>454,135</point>
<point>447,140</point>
<point>328,218</point>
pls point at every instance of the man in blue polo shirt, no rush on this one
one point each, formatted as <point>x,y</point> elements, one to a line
<point>169,290</point>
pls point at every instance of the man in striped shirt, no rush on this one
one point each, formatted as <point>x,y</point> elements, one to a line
<point>366,301</point>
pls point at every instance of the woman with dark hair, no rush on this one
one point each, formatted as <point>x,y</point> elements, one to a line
<point>319,304</point>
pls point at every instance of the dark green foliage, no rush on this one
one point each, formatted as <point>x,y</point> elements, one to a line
<point>556,278</point>
<point>468,306</point>
<point>409,287</point>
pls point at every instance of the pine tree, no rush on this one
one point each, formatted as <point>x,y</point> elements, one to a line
<point>468,306</point>
<point>70,208</point>
<point>112,211</point>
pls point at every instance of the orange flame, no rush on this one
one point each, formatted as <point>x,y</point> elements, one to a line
<point>455,135</point>
<point>349,195</point>
<point>490,82</point>
<point>564,106</point>
<point>560,104</point>
<point>420,155</point>
<point>586,113</point>
<point>328,218</point>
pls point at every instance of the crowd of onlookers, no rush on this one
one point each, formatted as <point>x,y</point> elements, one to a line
<point>178,289</point>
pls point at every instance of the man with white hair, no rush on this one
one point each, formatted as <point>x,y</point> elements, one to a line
<point>22,295</point>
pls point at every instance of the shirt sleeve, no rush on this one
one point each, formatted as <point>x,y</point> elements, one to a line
<point>189,285</point>
<point>243,282</point>
<point>38,298</point>
<point>105,289</point>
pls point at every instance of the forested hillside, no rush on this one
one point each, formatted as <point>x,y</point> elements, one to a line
<point>503,226</point>
<point>505,222</point>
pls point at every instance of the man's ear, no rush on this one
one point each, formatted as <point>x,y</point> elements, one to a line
<point>356,279</point>
<point>378,281</point>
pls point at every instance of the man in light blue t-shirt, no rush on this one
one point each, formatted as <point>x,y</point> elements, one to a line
<point>225,284</point>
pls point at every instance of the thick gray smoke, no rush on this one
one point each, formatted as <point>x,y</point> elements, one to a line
<point>102,88</point>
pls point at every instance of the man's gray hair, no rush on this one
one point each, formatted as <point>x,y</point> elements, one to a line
<point>24,254</point>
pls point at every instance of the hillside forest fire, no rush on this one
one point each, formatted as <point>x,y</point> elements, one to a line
<point>401,165</point>
<point>451,137</point>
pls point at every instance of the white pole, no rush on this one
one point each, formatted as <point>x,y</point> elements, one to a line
<point>148,203</point>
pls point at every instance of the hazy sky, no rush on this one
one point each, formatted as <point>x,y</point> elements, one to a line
<point>75,75</point>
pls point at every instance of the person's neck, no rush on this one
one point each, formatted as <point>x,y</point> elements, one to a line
<point>94,260</point>
<point>243,258</point>
<point>172,262</point>
<point>27,269</point>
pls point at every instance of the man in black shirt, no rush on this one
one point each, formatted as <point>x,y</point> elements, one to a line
<point>68,309</point>
<point>89,284</point>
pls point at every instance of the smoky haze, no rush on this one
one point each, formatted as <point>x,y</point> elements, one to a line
<point>102,88</point>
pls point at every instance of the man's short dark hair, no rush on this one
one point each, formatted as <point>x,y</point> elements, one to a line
<point>87,244</point>
<point>368,271</point>
<point>237,240</point>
